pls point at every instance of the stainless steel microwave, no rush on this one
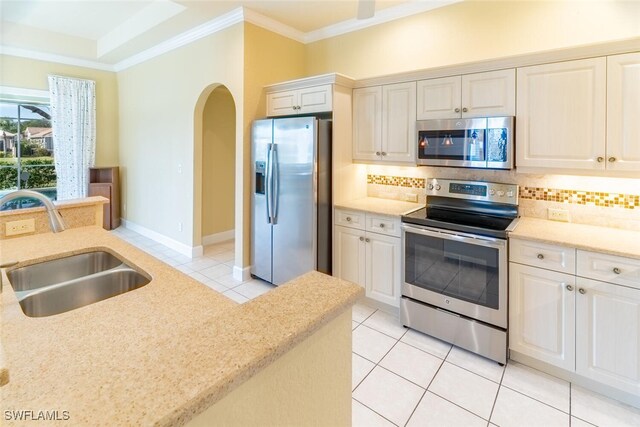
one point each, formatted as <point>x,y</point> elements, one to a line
<point>466,143</point>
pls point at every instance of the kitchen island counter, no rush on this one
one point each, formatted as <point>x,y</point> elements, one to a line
<point>158,355</point>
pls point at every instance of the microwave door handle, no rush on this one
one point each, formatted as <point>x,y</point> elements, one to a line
<point>479,241</point>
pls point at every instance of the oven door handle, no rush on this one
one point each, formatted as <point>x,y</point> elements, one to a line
<point>479,240</point>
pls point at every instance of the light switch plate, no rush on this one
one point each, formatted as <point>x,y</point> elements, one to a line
<point>20,227</point>
<point>411,197</point>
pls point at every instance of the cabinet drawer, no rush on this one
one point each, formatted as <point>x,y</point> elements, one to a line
<point>383,224</point>
<point>609,268</point>
<point>353,219</point>
<point>551,257</point>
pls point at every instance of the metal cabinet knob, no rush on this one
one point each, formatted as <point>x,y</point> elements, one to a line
<point>381,225</point>
<point>540,256</point>
<point>384,153</point>
<point>361,239</point>
<point>377,153</point>
<point>612,159</point>
<point>600,159</point>
<point>367,240</point>
<point>582,291</point>
<point>569,287</point>
<point>348,219</point>
<point>617,270</point>
<point>465,109</point>
<point>457,110</point>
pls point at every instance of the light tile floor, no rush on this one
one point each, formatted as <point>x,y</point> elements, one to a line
<point>404,378</point>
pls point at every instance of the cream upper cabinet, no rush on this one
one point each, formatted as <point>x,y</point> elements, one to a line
<point>367,123</point>
<point>471,95</point>
<point>399,123</point>
<point>623,112</point>
<point>561,115</point>
<point>384,123</point>
<point>314,99</point>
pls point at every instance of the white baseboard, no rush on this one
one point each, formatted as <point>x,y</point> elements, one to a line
<point>186,250</point>
<point>218,237</point>
<point>242,274</point>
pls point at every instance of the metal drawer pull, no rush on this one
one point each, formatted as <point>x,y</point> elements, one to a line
<point>569,287</point>
<point>457,110</point>
<point>617,270</point>
<point>600,159</point>
<point>612,159</point>
<point>381,225</point>
<point>540,256</point>
<point>464,110</point>
<point>582,291</point>
<point>377,153</point>
<point>367,240</point>
<point>348,219</point>
<point>361,239</point>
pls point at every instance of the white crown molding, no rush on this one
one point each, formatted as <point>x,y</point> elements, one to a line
<point>196,33</point>
<point>273,25</point>
<point>50,57</point>
<point>22,94</point>
<point>385,15</point>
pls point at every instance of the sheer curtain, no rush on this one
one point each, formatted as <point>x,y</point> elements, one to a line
<point>73,119</point>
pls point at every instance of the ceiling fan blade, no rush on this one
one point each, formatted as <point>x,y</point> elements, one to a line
<point>366,9</point>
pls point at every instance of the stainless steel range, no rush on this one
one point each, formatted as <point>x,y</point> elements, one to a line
<point>455,264</point>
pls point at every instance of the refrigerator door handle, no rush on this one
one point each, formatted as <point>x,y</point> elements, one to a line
<point>269,183</point>
<point>276,183</point>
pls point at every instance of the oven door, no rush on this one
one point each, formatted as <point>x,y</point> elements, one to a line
<point>462,273</point>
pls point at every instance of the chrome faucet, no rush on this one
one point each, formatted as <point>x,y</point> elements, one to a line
<point>55,220</point>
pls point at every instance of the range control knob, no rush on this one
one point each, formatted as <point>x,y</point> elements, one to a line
<point>430,186</point>
<point>438,187</point>
<point>501,193</point>
<point>492,192</point>
<point>509,193</point>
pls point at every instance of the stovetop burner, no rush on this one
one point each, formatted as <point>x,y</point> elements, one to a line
<point>486,209</point>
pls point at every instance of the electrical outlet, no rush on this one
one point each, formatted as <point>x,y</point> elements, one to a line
<point>411,197</point>
<point>20,227</point>
<point>558,215</point>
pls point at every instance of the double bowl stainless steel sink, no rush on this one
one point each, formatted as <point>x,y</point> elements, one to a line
<point>64,284</point>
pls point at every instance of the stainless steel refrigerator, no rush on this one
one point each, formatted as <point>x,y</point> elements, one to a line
<point>291,197</point>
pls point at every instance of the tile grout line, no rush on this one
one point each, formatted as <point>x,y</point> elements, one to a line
<point>372,410</point>
<point>495,400</point>
<point>537,400</point>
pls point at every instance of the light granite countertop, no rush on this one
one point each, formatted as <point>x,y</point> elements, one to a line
<point>157,355</point>
<point>607,240</point>
<point>380,206</point>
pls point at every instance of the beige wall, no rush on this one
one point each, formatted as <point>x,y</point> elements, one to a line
<point>161,106</point>
<point>471,31</point>
<point>32,74</point>
<point>218,162</point>
<point>268,58</point>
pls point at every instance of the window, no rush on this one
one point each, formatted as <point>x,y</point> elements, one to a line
<point>26,149</point>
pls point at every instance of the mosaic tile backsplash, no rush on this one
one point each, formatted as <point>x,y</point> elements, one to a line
<point>588,198</point>
<point>609,200</point>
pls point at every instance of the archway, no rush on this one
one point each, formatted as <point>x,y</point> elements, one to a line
<point>215,163</point>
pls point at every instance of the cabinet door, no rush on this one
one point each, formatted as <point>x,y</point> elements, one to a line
<point>439,98</point>
<point>489,94</point>
<point>608,334</point>
<point>367,123</point>
<point>623,111</point>
<point>349,255</point>
<point>383,268</point>
<point>315,99</point>
<point>561,115</point>
<point>282,103</point>
<point>542,314</point>
<point>399,123</point>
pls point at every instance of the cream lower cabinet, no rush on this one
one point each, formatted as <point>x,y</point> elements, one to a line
<point>586,326</point>
<point>542,314</point>
<point>370,259</point>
